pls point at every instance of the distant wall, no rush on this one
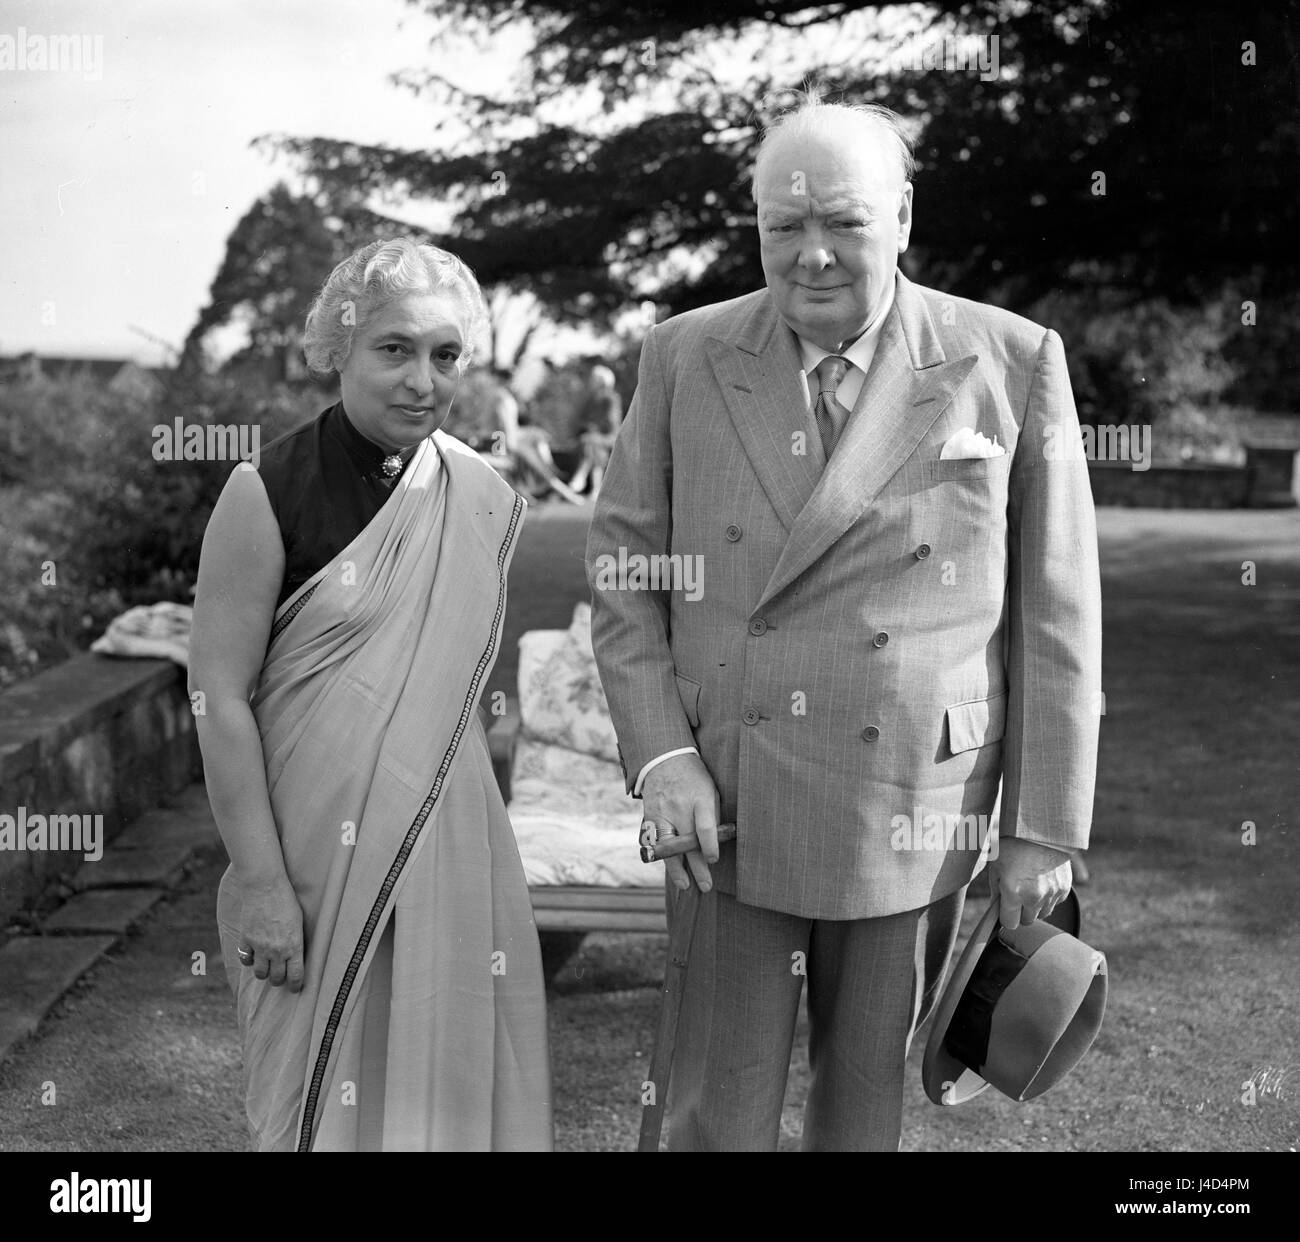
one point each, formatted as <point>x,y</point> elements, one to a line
<point>1269,479</point>
<point>1190,486</point>
<point>93,735</point>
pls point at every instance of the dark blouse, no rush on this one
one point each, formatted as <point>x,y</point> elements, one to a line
<point>325,484</point>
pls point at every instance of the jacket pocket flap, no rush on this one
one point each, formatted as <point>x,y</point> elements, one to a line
<point>977,723</point>
<point>689,693</point>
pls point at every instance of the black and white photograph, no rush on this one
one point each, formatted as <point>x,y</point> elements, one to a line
<point>587,577</point>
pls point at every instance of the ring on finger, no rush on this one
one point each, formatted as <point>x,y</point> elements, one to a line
<point>245,956</point>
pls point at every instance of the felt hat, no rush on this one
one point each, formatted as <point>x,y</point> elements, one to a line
<point>1021,1009</point>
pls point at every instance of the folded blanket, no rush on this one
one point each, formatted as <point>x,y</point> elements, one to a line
<point>154,631</point>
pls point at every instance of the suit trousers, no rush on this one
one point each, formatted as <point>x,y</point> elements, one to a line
<point>871,983</point>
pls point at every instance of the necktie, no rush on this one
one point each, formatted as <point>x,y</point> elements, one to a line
<point>831,414</point>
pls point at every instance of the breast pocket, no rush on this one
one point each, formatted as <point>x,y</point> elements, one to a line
<point>976,723</point>
<point>689,693</point>
<point>959,468</point>
<point>958,517</point>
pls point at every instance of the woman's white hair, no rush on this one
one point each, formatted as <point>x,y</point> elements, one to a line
<point>376,274</point>
<point>854,124</point>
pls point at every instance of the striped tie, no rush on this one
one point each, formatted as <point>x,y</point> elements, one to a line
<point>831,415</point>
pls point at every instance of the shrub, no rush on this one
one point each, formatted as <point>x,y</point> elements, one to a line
<point>1142,362</point>
<point>90,522</point>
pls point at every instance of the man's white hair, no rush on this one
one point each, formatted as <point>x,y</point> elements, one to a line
<point>853,124</point>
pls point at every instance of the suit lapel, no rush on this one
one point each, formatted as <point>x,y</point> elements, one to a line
<point>909,386</point>
<point>758,372</point>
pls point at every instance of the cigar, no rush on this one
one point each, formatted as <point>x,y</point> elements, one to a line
<point>666,847</point>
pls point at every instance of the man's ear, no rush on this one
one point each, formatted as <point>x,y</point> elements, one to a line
<point>904,216</point>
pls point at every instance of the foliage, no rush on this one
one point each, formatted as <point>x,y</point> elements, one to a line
<point>1262,353</point>
<point>591,204</point>
<point>92,522</point>
<point>1133,362</point>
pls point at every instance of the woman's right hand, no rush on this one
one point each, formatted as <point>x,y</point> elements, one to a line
<point>272,929</point>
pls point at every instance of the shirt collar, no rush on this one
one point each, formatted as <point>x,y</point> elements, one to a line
<point>860,352</point>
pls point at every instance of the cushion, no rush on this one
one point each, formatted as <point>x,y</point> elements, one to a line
<point>573,822</point>
<point>561,700</point>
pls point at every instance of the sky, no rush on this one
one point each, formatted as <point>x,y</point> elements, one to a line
<point>121,176</point>
<point>123,172</point>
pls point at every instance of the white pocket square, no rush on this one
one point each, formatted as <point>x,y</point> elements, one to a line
<point>968,443</point>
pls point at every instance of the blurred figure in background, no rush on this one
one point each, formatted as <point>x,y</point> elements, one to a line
<point>503,407</point>
<point>503,436</point>
<point>602,413</point>
<point>537,469</point>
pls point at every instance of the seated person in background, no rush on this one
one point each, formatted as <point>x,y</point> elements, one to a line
<point>491,429</point>
<point>602,413</point>
<point>535,466</point>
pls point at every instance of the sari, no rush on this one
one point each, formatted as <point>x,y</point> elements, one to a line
<point>421,1024</point>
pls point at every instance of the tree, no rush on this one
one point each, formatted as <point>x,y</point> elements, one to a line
<point>275,261</point>
<point>1151,147</point>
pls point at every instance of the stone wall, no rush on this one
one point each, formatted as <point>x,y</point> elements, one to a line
<point>1191,486</point>
<point>91,736</point>
<point>1269,478</point>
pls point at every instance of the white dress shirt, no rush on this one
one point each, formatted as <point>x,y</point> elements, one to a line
<point>859,356</point>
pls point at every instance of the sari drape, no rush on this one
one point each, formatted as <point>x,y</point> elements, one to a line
<point>421,1024</point>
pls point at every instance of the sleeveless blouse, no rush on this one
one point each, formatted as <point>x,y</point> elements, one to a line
<point>325,483</point>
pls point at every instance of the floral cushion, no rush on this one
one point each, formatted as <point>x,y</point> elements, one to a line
<point>573,819</point>
<point>561,700</point>
<point>569,777</point>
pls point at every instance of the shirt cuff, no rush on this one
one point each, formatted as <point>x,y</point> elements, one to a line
<point>1051,845</point>
<point>654,763</point>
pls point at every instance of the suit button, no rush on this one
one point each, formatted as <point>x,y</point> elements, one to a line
<point>922,552</point>
<point>880,639</point>
<point>870,733</point>
<point>732,532</point>
<point>751,716</point>
<point>758,626</point>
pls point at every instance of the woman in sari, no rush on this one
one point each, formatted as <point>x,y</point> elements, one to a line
<point>374,920</point>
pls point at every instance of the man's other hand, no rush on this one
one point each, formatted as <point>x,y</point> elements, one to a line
<point>1031,880</point>
<point>680,794</point>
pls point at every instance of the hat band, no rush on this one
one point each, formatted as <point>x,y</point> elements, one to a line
<point>967,1038</point>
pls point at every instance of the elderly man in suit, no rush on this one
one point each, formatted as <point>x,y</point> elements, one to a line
<point>898,610</point>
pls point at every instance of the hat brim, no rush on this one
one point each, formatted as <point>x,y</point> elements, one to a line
<point>947,1080</point>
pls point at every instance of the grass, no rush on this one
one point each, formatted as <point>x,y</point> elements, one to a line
<point>1202,677</point>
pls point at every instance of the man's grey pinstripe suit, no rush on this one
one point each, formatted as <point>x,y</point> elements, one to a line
<point>888,634</point>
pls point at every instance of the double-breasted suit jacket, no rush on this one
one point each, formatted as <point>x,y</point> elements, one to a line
<point>873,643</point>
